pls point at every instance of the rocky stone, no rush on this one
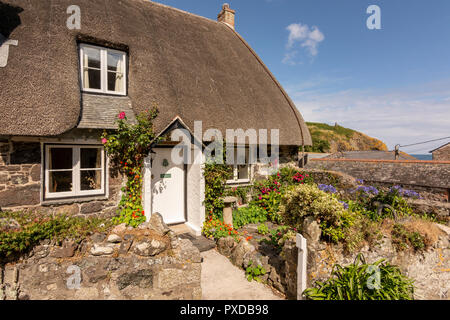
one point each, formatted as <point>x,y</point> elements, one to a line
<point>240,251</point>
<point>311,230</point>
<point>41,251</point>
<point>226,245</point>
<point>19,179</point>
<point>119,228</point>
<point>148,248</point>
<point>28,195</point>
<point>140,278</point>
<point>98,250</point>
<point>91,207</point>
<point>188,252</point>
<point>98,237</point>
<point>157,224</point>
<point>71,210</point>
<point>114,238</point>
<point>66,251</point>
<point>35,173</point>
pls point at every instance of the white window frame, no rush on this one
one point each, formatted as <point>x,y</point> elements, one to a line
<point>103,70</point>
<point>236,179</point>
<point>76,172</point>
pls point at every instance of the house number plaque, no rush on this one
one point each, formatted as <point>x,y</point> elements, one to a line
<point>166,175</point>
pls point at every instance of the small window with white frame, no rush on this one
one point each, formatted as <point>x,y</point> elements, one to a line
<point>241,172</point>
<point>74,171</point>
<point>103,70</point>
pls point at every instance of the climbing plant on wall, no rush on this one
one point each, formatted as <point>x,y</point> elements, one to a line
<point>127,148</point>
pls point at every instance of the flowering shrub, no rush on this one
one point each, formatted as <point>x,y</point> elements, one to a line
<point>327,188</point>
<point>308,200</point>
<point>216,229</point>
<point>127,147</point>
<point>267,195</point>
<point>404,192</point>
<point>291,176</point>
<point>240,193</point>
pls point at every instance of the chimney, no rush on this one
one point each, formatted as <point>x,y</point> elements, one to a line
<point>227,15</point>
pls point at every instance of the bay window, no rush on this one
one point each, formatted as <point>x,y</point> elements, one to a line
<point>74,171</point>
<point>103,70</point>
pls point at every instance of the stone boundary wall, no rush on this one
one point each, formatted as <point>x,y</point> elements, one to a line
<point>431,176</point>
<point>20,185</point>
<point>148,263</point>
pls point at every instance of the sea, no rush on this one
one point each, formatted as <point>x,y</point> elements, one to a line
<point>423,156</point>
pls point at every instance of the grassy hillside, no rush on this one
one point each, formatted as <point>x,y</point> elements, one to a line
<point>335,138</point>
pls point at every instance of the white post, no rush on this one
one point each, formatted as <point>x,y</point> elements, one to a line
<point>147,187</point>
<point>301,266</point>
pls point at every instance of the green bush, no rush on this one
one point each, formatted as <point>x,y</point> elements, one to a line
<point>247,215</point>
<point>36,227</point>
<point>361,281</point>
<point>263,229</point>
<point>254,272</point>
<point>304,200</point>
<point>403,238</point>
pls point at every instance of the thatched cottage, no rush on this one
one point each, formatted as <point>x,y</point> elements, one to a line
<point>61,86</point>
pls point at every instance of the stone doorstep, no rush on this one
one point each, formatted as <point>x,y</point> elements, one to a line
<point>179,228</point>
<point>200,242</point>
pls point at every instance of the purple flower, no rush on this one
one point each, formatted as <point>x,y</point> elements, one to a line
<point>327,188</point>
<point>345,204</point>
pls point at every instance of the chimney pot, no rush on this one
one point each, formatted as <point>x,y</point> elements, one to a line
<point>227,15</point>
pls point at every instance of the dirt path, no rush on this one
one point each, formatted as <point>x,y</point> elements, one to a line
<point>221,280</point>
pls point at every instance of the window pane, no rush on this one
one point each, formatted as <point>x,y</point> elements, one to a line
<point>60,158</point>
<point>60,181</point>
<point>91,180</point>
<point>91,57</point>
<point>243,172</point>
<point>92,79</point>
<point>115,62</point>
<point>91,158</point>
<point>115,82</point>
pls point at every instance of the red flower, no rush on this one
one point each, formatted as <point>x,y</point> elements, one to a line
<point>122,115</point>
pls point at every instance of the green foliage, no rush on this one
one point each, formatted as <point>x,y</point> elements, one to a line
<point>304,200</point>
<point>318,145</point>
<point>278,236</point>
<point>361,281</point>
<point>263,229</point>
<point>127,148</point>
<point>404,239</point>
<point>239,192</point>
<point>254,272</point>
<point>36,227</point>
<point>216,176</point>
<point>247,215</point>
<point>214,228</point>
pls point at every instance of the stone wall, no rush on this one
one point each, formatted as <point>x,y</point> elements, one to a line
<point>429,176</point>
<point>442,154</point>
<point>20,184</point>
<point>429,269</point>
<point>144,264</point>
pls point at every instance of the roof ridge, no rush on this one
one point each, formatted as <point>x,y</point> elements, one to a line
<point>176,9</point>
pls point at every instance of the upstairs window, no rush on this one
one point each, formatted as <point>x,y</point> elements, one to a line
<point>241,172</point>
<point>103,70</point>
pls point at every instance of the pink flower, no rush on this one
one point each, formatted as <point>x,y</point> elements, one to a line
<point>122,115</point>
<point>104,140</point>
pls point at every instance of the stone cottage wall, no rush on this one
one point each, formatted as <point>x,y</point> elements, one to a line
<point>145,264</point>
<point>20,184</point>
<point>442,154</point>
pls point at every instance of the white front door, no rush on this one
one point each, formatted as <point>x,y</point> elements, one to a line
<point>168,183</point>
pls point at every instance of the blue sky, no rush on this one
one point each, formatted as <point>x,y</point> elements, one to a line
<point>393,83</point>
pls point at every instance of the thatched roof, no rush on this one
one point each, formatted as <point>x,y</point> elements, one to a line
<point>190,66</point>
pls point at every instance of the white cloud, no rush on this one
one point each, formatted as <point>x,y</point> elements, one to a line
<point>305,36</point>
<point>404,116</point>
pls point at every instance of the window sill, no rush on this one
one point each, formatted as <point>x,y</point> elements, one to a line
<point>101,93</point>
<point>70,200</point>
<point>238,182</point>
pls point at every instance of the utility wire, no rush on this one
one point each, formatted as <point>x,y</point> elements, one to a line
<point>415,144</point>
